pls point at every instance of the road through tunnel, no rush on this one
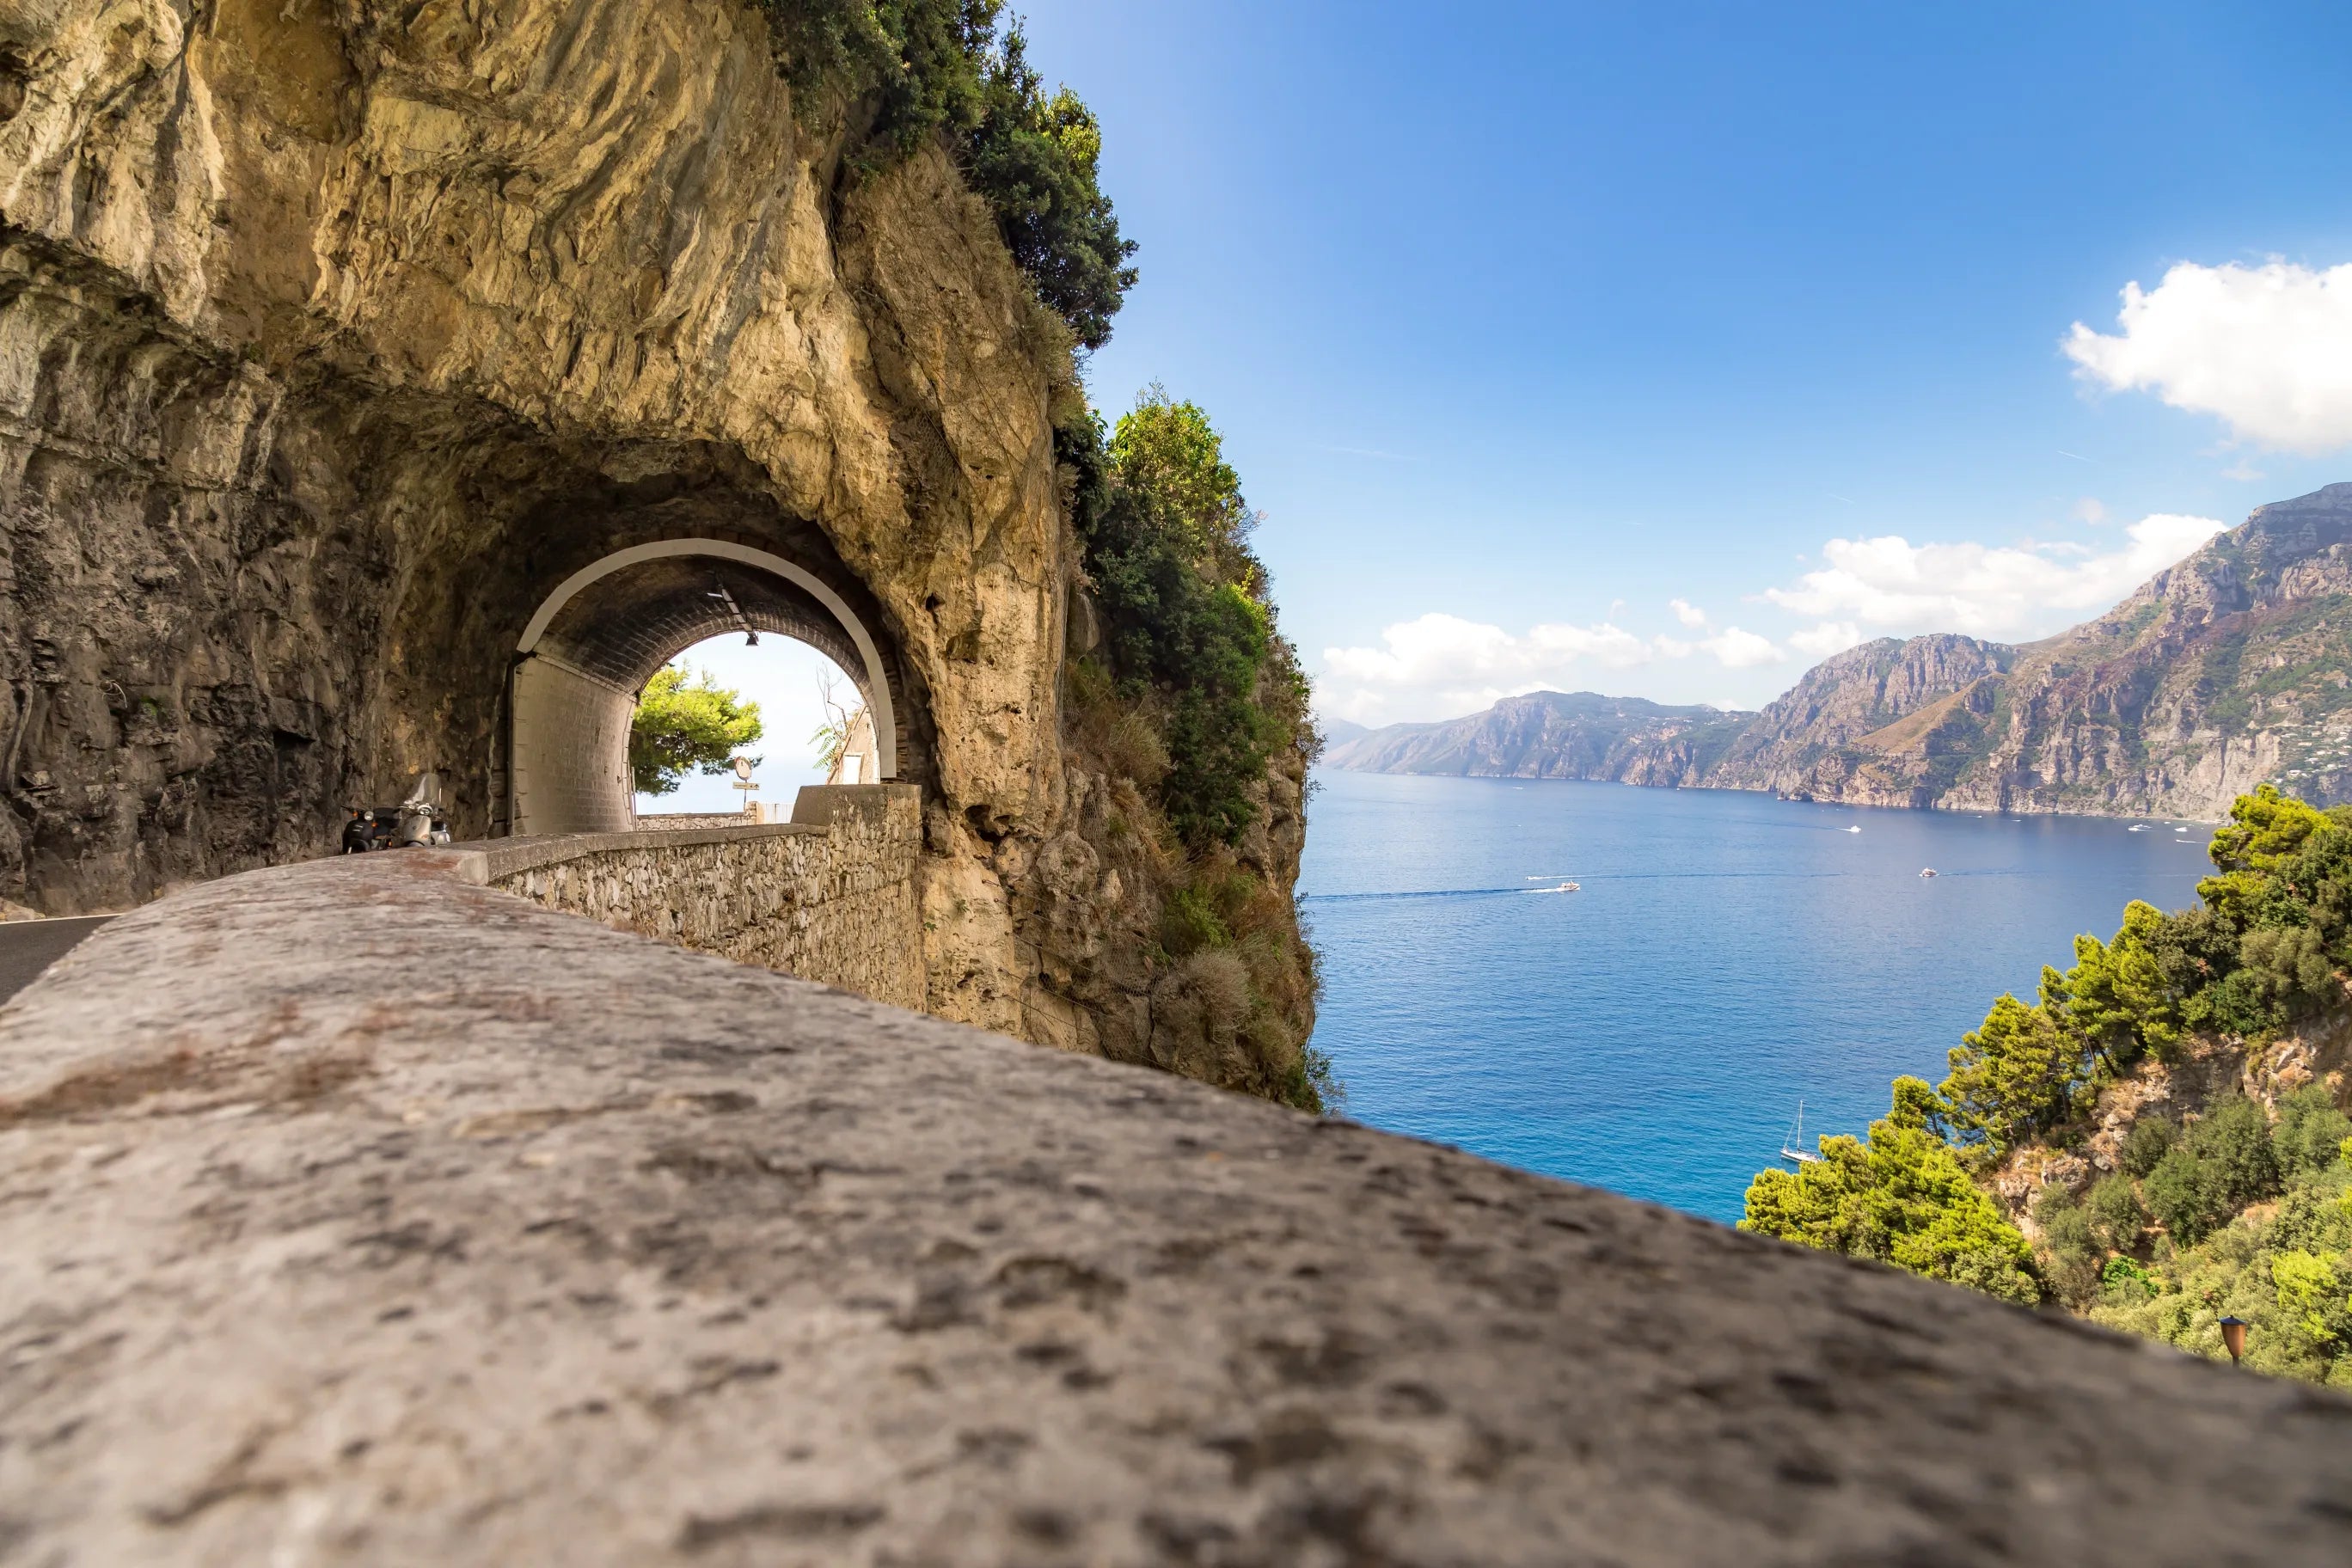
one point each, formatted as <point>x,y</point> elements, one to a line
<point>595,640</point>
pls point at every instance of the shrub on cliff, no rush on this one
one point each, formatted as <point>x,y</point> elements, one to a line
<point>1197,703</point>
<point>925,68</point>
<point>1902,1197</point>
<point>1165,532</point>
<point>2266,947</point>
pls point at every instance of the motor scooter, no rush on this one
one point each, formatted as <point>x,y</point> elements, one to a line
<point>416,822</point>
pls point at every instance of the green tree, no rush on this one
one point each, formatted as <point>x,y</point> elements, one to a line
<point>2147,1141</point>
<point>2070,1248</point>
<point>679,728</point>
<point>2233,1140</point>
<point>1036,159</point>
<point>2311,1296</point>
<point>1901,1197</point>
<point>2016,1075</point>
<point>2118,995</point>
<point>2115,1217</point>
<point>2184,1196</point>
<point>2310,1131</point>
<point>1166,538</point>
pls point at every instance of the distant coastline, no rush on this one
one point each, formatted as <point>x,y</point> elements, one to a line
<point>2227,672</point>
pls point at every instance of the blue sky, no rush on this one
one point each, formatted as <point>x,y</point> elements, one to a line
<point>1523,321</point>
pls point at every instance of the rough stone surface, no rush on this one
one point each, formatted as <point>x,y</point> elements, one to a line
<point>333,334</point>
<point>828,897</point>
<point>350,1213</point>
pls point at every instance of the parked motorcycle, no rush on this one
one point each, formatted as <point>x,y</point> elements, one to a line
<point>371,828</point>
<point>418,821</point>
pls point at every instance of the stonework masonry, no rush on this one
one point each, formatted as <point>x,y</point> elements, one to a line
<point>829,896</point>
<point>351,1214</point>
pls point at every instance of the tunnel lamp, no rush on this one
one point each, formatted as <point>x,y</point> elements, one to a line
<point>2233,1338</point>
<point>750,638</point>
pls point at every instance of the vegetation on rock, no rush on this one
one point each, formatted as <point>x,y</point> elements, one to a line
<point>681,727</point>
<point>919,69</point>
<point>2239,1207</point>
<point>1196,702</point>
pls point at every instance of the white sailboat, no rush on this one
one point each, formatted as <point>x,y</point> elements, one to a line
<point>1792,1147</point>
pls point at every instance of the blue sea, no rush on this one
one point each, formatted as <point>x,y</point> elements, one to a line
<point>1728,955</point>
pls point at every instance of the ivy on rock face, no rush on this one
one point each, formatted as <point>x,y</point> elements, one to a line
<point>926,68</point>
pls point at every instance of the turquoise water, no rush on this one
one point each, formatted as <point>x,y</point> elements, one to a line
<point>1728,954</point>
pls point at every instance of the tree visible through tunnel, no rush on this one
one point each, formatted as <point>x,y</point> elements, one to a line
<point>785,705</point>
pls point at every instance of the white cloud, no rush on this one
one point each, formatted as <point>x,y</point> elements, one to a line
<point>2006,592</point>
<point>2091,509</point>
<point>2268,349</point>
<point>1690,615</point>
<point>1736,649</point>
<point>1442,666</point>
<point>1829,638</point>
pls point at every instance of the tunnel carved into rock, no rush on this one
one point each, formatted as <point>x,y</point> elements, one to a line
<point>585,655</point>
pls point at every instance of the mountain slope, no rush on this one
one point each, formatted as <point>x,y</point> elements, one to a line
<point>2232,668</point>
<point>1555,735</point>
<point>2229,668</point>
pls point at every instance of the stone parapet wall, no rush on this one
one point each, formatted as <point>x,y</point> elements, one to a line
<point>673,821</point>
<point>355,1214</point>
<point>830,896</point>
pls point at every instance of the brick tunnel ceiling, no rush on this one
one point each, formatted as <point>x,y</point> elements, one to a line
<point>623,627</point>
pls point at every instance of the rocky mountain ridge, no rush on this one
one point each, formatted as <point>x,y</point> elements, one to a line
<point>1555,735</point>
<point>2232,668</point>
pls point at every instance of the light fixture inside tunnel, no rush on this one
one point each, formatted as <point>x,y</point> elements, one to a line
<point>742,622</point>
<point>590,645</point>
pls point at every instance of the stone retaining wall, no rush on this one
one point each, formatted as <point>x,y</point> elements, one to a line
<point>353,1214</point>
<point>673,821</point>
<point>829,896</point>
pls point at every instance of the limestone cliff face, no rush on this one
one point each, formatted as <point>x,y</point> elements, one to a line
<point>333,333</point>
<point>2228,670</point>
<point>2232,668</point>
<point>1845,697</point>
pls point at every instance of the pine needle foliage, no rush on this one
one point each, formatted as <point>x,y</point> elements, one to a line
<point>2181,1232</point>
<point>680,726</point>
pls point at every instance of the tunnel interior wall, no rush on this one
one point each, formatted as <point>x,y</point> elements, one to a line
<point>571,750</point>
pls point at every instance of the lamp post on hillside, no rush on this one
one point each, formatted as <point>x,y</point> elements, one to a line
<point>2233,1338</point>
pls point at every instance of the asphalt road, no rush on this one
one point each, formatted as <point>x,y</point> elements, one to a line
<point>27,947</point>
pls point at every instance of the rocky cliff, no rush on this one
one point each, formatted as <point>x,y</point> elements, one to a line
<point>333,333</point>
<point>2232,668</point>
<point>1555,735</point>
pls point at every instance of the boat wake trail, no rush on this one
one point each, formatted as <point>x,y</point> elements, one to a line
<point>1431,893</point>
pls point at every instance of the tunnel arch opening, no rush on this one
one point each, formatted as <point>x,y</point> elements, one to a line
<point>592,643</point>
